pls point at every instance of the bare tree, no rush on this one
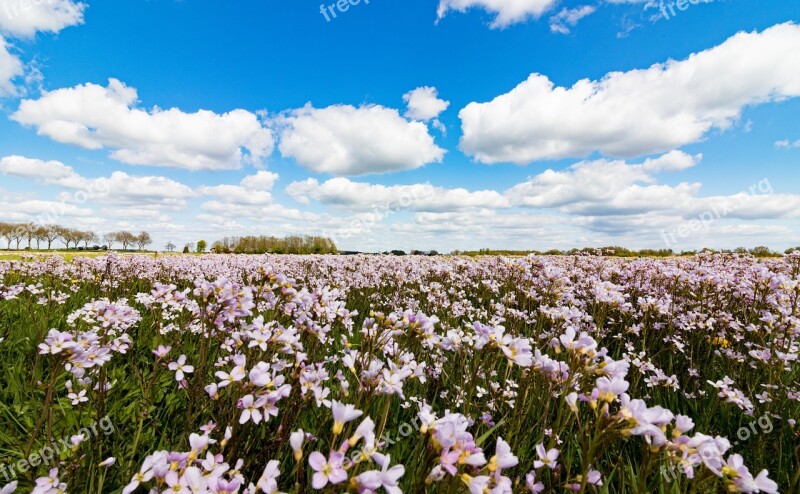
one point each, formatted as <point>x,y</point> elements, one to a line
<point>51,234</point>
<point>69,236</point>
<point>7,232</point>
<point>38,236</point>
<point>18,233</point>
<point>143,240</point>
<point>170,247</point>
<point>110,239</point>
<point>89,237</point>
<point>126,239</point>
<point>30,233</point>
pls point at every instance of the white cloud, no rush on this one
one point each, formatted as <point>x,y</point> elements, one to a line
<point>358,196</point>
<point>671,162</point>
<point>787,144</point>
<point>748,205</point>
<point>142,190</point>
<point>43,212</point>
<point>345,140</point>
<point>636,112</point>
<point>234,194</point>
<point>507,11</point>
<point>134,213</point>
<point>50,172</point>
<point>252,190</point>
<point>567,18</point>
<point>10,69</point>
<point>424,103</point>
<point>615,198</point>
<point>260,212</point>
<point>252,200</point>
<point>24,18</point>
<point>96,117</point>
<point>263,180</point>
<point>119,188</point>
<point>604,187</point>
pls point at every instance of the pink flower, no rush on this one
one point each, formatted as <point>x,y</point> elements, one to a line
<point>268,482</point>
<point>180,368</point>
<point>609,389</point>
<point>251,409</point>
<point>531,484</point>
<point>503,457</point>
<point>546,458</point>
<point>476,485</point>
<point>342,414</point>
<point>327,470</point>
<point>296,440</point>
<point>8,489</point>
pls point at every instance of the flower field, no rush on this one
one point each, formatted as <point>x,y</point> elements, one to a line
<point>414,374</point>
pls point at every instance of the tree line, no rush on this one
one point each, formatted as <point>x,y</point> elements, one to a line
<point>25,235</point>
<point>274,245</point>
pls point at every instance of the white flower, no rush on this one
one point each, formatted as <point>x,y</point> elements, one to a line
<point>342,414</point>
<point>180,368</point>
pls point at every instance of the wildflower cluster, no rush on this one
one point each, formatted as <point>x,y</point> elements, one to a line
<point>246,374</point>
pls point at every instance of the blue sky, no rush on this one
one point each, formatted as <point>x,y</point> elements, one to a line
<point>452,124</point>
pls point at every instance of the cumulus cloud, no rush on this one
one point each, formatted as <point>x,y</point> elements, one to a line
<point>612,195</point>
<point>10,69</point>
<point>671,162</point>
<point>119,188</point>
<point>360,196</point>
<point>257,211</point>
<point>345,140</point>
<point>252,190</point>
<point>567,18</point>
<point>137,214</point>
<point>603,187</point>
<point>138,190</point>
<point>506,12</point>
<point>263,180</point>
<point>637,112</point>
<point>489,223</point>
<point>97,117</point>
<point>424,103</point>
<point>50,172</point>
<point>251,199</point>
<point>32,209</point>
<point>24,18</point>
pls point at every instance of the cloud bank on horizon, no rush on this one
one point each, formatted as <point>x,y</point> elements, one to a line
<point>564,155</point>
